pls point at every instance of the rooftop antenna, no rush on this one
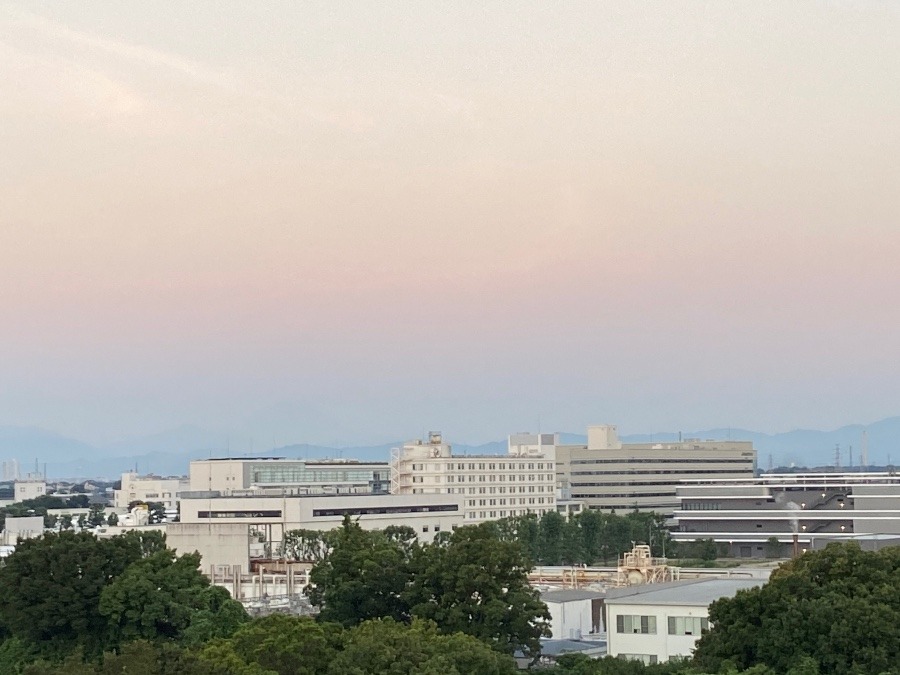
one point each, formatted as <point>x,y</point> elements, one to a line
<point>864,451</point>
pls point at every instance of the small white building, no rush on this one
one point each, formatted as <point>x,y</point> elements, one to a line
<point>150,488</point>
<point>492,486</point>
<point>29,489</point>
<point>656,622</point>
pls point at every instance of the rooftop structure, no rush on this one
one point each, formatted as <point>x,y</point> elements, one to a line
<point>291,476</point>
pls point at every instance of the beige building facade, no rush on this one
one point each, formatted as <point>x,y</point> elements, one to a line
<point>607,474</point>
<point>150,488</point>
<point>226,523</point>
<point>29,489</point>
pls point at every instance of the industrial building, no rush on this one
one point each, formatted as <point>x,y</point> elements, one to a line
<point>608,475</point>
<point>491,486</point>
<point>768,516</point>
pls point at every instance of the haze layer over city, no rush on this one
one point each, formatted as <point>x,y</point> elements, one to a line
<point>347,224</point>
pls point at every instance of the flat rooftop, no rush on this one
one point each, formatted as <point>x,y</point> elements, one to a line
<point>698,592</point>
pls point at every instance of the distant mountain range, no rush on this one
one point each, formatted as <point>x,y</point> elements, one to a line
<point>170,452</point>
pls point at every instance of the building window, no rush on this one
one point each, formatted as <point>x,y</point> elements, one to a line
<point>646,659</point>
<point>688,625</point>
<point>424,528</point>
<point>634,623</point>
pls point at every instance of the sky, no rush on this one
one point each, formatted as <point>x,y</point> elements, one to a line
<point>347,223</point>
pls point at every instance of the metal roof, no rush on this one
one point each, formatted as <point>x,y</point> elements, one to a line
<point>697,592</point>
<point>571,594</point>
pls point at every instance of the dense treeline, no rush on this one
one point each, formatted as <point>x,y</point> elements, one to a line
<point>590,537</point>
<point>71,603</point>
<point>587,538</point>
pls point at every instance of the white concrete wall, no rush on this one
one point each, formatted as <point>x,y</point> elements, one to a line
<point>570,620</point>
<point>218,543</point>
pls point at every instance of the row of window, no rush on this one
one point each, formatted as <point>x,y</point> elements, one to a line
<point>646,625</point>
<point>381,510</point>
<point>623,495</point>
<point>500,490</point>
<point>493,502</point>
<point>502,513</point>
<point>484,466</point>
<point>502,478</point>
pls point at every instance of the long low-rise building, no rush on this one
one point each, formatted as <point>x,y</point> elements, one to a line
<point>222,527</point>
<point>769,515</point>
<point>291,476</point>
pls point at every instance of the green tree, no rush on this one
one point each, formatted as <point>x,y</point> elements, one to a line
<point>113,519</point>
<point>50,589</point>
<point>161,596</point>
<point>82,521</point>
<point>96,517</point>
<point>836,609</point>
<point>572,542</point>
<point>362,577</point>
<point>403,536</point>
<point>65,522</point>
<point>707,549</point>
<point>590,525</point>
<point>385,646</point>
<point>477,584</point>
<point>551,527</point>
<point>281,644</point>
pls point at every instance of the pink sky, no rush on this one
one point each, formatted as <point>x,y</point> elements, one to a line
<point>401,216</point>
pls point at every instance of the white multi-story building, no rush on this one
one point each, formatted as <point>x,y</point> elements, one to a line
<point>149,489</point>
<point>607,474</point>
<point>492,486</point>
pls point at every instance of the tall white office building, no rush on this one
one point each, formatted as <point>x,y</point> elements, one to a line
<point>494,486</point>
